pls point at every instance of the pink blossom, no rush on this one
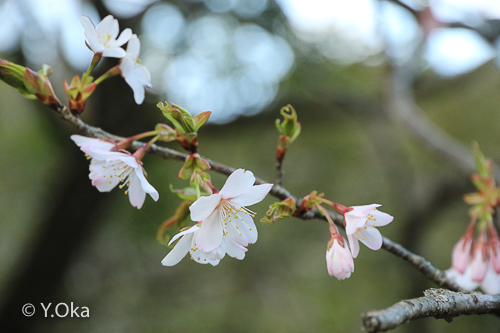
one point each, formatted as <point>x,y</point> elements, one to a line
<point>339,260</point>
<point>480,259</point>
<point>463,280</point>
<point>491,283</point>
<point>360,223</point>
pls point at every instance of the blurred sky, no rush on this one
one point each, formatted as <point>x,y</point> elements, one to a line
<point>216,62</point>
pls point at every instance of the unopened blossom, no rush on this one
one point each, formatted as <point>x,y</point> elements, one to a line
<point>136,75</point>
<point>494,248</point>
<point>360,223</point>
<point>491,282</point>
<point>188,244</point>
<point>461,255</point>
<point>110,168</point>
<point>463,280</point>
<point>480,259</point>
<point>224,214</point>
<point>339,260</point>
<point>103,38</point>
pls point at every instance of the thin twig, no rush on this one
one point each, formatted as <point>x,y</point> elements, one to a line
<point>418,262</point>
<point>437,303</point>
<point>279,170</point>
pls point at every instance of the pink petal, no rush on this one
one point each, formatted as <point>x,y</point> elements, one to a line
<point>204,206</point>
<point>491,283</point>
<point>239,182</point>
<point>210,235</point>
<point>255,194</point>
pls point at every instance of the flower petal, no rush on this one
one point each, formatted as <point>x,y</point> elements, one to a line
<point>96,143</point>
<point>133,46</point>
<point>380,218</point>
<point>136,194</point>
<point>124,37</point>
<point>235,250</point>
<point>255,194</point>
<point>239,182</point>
<point>491,283</point>
<point>371,237</point>
<point>137,88</point>
<point>243,226</point>
<point>210,235</point>
<point>108,25</point>
<point>146,186</point>
<point>114,52</point>
<point>204,206</point>
<point>354,245</point>
<point>178,252</point>
<point>87,24</point>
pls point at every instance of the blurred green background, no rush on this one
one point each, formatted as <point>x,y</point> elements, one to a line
<point>63,241</point>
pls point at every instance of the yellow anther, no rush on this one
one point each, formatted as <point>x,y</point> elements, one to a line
<point>104,166</point>
<point>126,192</point>
<point>364,238</point>
<point>250,228</point>
<point>366,227</point>
<point>110,182</point>
<point>241,234</point>
<point>198,258</point>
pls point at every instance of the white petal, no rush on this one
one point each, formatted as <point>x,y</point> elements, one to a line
<point>380,218</point>
<point>210,235</point>
<point>239,182</point>
<point>96,143</point>
<point>371,237</point>
<point>87,24</point>
<point>463,280</point>
<point>108,25</point>
<point>354,245</point>
<point>352,223</point>
<point>100,154</point>
<point>134,46</point>
<point>127,159</point>
<point>235,250</point>
<point>124,37</point>
<point>126,66</point>
<point>136,194</point>
<point>104,184</point>
<point>204,206</point>
<point>193,229</point>
<point>137,88</point>
<point>361,211</point>
<point>255,194</point>
<point>178,252</point>
<point>242,226</point>
<point>114,52</point>
<point>491,283</point>
<point>146,186</point>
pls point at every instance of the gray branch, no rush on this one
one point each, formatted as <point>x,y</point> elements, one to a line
<point>437,303</point>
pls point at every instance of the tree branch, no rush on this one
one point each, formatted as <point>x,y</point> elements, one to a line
<point>437,303</point>
<point>422,265</point>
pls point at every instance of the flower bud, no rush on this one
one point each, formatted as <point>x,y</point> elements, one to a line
<point>12,74</point>
<point>279,210</point>
<point>339,260</point>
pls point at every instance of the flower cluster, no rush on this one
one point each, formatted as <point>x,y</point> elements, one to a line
<point>477,262</point>
<point>110,167</point>
<point>104,41</point>
<point>224,224</point>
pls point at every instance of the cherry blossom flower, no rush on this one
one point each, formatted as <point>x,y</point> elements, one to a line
<point>223,214</point>
<point>103,38</point>
<point>188,244</point>
<point>136,75</point>
<point>360,223</point>
<point>339,260</point>
<point>109,168</point>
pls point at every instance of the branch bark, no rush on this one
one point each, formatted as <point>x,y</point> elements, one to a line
<point>437,303</point>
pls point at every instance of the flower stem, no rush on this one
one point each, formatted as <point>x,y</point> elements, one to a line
<point>114,71</point>
<point>95,60</point>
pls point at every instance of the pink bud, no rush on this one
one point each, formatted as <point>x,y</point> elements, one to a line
<point>339,260</point>
<point>461,255</point>
<point>480,260</point>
